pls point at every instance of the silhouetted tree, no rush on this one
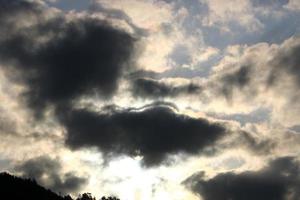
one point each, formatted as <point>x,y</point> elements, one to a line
<point>110,198</point>
<point>86,196</point>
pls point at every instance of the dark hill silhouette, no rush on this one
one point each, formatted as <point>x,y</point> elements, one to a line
<point>15,188</point>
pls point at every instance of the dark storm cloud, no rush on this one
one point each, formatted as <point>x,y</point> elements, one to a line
<point>153,132</point>
<point>154,89</point>
<point>278,181</point>
<point>61,60</point>
<point>47,172</point>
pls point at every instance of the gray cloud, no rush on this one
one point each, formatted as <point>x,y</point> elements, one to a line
<point>239,78</point>
<point>150,88</point>
<point>287,60</point>
<point>278,181</point>
<point>256,116</point>
<point>181,55</point>
<point>7,125</point>
<point>153,133</point>
<point>255,82</point>
<point>284,65</point>
<point>269,3</point>
<point>252,142</point>
<point>143,74</point>
<point>172,73</point>
<point>253,76</point>
<point>47,172</point>
<point>70,4</point>
<point>257,145</point>
<point>11,11</point>
<point>295,128</point>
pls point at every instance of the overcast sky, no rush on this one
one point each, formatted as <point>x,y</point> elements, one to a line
<point>152,99</point>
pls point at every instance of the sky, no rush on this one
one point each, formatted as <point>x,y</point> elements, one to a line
<point>152,99</point>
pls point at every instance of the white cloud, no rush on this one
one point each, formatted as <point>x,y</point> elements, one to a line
<point>293,5</point>
<point>239,11</point>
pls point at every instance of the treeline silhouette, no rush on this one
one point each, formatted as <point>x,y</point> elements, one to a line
<point>15,188</point>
